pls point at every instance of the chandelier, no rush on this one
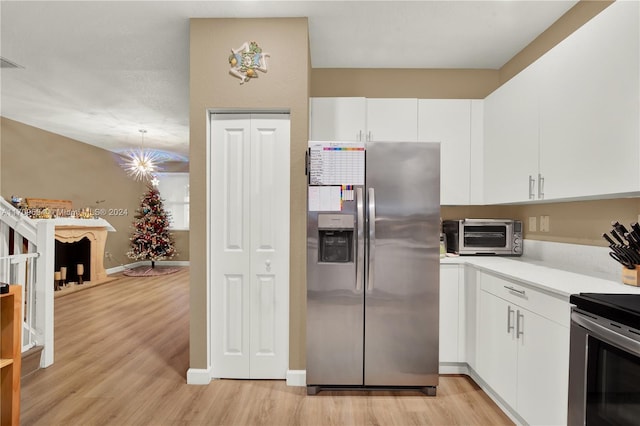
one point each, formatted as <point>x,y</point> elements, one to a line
<point>141,164</point>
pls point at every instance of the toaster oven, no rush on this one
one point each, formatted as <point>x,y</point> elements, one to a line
<point>476,237</point>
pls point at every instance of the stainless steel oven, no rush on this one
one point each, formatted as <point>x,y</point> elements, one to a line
<point>604,365</point>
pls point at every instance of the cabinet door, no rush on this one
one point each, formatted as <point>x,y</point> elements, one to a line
<point>448,121</point>
<point>511,138</point>
<point>497,349</point>
<point>337,119</point>
<point>470,298</point>
<point>543,370</point>
<point>449,313</point>
<point>590,108</point>
<point>476,154</point>
<point>393,120</point>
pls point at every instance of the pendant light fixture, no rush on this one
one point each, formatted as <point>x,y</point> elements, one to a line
<point>141,164</point>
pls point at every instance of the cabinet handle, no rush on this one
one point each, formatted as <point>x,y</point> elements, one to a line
<point>519,332</point>
<point>540,187</point>
<point>369,136</point>
<point>520,292</point>
<point>532,183</point>
<point>360,135</point>
<point>509,326</point>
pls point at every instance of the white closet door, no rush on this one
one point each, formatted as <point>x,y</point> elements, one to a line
<point>269,246</point>
<point>249,246</point>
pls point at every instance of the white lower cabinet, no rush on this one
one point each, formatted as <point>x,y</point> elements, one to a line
<point>497,349</point>
<point>523,348</point>
<point>543,371</point>
<point>451,319</point>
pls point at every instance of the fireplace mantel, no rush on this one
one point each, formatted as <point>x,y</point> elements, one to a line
<point>69,230</point>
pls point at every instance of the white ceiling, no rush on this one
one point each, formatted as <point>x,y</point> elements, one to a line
<point>98,71</point>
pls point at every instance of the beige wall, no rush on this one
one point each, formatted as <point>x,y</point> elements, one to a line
<point>447,83</point>
<point>284,86</point>
<point>579,222</point>
<point>39,164</point>
<point>403,83</point>
<point>576,222</point>
<point>575,17</point>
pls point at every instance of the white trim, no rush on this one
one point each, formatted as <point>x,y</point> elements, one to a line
<point>296,377</point>
<point>506,408</point>
<point>170,262</point>
<point>207,285</point>
<point>198,376</point>
<point>123,268</point>
<point>454,368</point>
<point>44,318</point>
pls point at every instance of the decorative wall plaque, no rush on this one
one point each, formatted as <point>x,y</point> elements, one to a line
<point>247,60</point>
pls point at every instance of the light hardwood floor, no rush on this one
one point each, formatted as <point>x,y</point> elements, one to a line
<point>121,356</point>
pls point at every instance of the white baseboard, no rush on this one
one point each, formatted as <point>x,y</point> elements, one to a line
<point>201,376</point>
<point>198,376</point>
<point>501,403</point>
<point>454,368</point>
<point>171,262</point>
<point>123,268</point>
<point>296,377</point>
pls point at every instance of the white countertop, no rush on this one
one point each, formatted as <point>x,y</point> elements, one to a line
<point>556,281</point>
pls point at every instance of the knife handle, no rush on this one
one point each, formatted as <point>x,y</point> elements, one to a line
<point>633,240</point>
<point>619,227</point>
<point>608,238</point>
<point>617,237</point>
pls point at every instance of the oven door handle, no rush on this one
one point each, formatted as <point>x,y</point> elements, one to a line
<point>603,333</point>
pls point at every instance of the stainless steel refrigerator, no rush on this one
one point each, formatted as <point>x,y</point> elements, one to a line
<point>373,230</point>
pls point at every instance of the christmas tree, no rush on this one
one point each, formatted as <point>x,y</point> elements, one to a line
<point>151,239</point>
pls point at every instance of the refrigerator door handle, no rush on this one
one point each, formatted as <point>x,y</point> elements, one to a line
<point>372,239</point>
<point>360,236</point>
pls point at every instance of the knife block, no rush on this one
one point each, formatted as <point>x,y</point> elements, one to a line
<point>631,276</point>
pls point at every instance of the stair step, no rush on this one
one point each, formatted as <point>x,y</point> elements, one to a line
<point>31,361</point>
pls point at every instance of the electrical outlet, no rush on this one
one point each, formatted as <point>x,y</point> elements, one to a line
<point>544,223</point>
<point>533,224</point>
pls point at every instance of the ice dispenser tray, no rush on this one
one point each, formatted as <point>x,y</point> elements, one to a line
<point>335,238</point>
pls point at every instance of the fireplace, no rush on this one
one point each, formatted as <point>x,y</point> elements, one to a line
<point>85,245</point>
<point>72,254</point>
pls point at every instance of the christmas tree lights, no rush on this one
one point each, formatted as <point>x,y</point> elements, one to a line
<point>151,239</point>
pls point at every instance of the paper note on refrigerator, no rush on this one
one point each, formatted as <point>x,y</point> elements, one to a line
<point>325,198</point>
<point>336,163</point>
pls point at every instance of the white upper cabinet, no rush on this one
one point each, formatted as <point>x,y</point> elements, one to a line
<point>455,123</point>
<point>476,153</point>
<point>363,119</point>
<point>448,121</point>
<point>590,110</point>
<point>568,126</point>
<point>511,139</point>
<point>394,120</point>
<point>337,119</point>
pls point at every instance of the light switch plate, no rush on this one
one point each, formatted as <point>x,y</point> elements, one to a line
<point>533,224</point>
<point>544,223</point>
